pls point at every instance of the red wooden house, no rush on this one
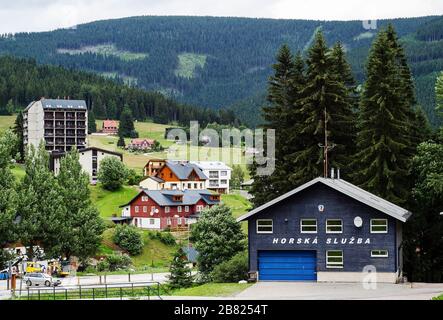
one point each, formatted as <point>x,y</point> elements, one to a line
<point>162,209</point>
<point>110,127</point>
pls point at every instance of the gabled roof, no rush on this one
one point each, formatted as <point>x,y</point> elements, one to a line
<point>141,141</point>
<point>110,124</point>
<point>156,179</point>
<point>348,189</point>
<point>164,197</point>
<point>183,170</point>
<point>63,104</point>
<point>58,154</point>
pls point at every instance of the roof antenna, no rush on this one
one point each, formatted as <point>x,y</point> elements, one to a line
<point>332,173</point>
<point>326,147</point>
<point>338,173</point>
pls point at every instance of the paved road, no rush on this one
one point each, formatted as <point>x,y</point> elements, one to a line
<point>339,291</point>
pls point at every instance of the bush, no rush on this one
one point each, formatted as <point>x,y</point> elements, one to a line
<point>129,239</point>
<point>114,262</point>
<point>233,270</point>
<point>167,238</point>
<point>133,178</point>
<point>112,173</point>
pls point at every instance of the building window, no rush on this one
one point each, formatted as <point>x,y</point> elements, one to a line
<point>224,182</point>
<point>179,221</point>
<point>179,209</point>
<point>153,209</point>
<point>224,173</point>
<point>334,226</point>
<point>199,208</point>
<point>136,208</point>
<point>145,209</point>
<point>379,253</point>
<point>145,199</point>
<point>379,226</point>
<point>167,209</point>
<point>265,226</point>
<point>151,221</point>
<point>308,226</point>
<point>186,208</point>
<point>195,185</point>
<point>334,259</point>
<point>168,221</point>
<point>213,174</point>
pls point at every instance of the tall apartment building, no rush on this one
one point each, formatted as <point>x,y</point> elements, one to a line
<point>62,124</point>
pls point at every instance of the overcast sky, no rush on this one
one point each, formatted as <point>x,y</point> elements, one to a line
<point>42,15</point>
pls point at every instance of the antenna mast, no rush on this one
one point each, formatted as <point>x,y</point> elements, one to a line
<point>326,147</point>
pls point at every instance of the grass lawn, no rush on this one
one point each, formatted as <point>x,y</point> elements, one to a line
<point>440,297</point>
<point>108,202</point>
<point>239,206</point>
<point>213,290</point>
<point>6,122</point>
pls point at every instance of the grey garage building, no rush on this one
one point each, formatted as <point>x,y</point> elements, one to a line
<point>326,230</point>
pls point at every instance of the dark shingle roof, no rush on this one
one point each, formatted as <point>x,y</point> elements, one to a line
<point>164,197</point>
<point>63,104</point>
<point>183,170</point>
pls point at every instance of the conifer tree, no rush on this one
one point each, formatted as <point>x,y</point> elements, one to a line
<point>439,93</point>
<point>126,127</point>
<point>18,131</point>
<point>325,97</point>
<point>383,157</point>
<point>180,274</point>
<point>92,126</point>
<point>281,114</point>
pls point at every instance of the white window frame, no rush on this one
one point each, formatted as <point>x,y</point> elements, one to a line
<point>145,209</point>
<point>379,253</point>
<point>136,209</point>
<point>151,221</point>
<point>257,224</point>
<point>311,219</point>
<point>168,221</point>
<point>145,199</point>
<point>179,209</point>
<point>153,208</point>
<point>372,221</point>
<point>186,208</point>
<point>341,226</point>
<point>200,208</point>
<point>334,265</point>
<point>179,221</point>
<point>224,173</point>
<point>167,209</point>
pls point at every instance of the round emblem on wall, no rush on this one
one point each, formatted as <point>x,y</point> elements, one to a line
<point>321,208</point>
<point>358,222</point>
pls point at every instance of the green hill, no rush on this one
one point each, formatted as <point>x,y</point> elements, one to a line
<point>214,61</point>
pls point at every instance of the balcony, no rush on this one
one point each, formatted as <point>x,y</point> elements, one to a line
<point>81,125</point>
<point>60,115</point>
<point>81,116</point>
<point>49,125</point>
<point>49,133</point>
<point>60,142</point>
<point>70,115</point>
<point>59,133</point>
<point>81,141</point>
<point>70,141</point>
<point>49,116</point>
<point>70,133</point>
<point>49,142</point>
<point>81,133</point>
<point>59,124</point>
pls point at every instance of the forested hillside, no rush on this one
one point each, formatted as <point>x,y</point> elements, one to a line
<point>22,81</point>
<point>220,62</point>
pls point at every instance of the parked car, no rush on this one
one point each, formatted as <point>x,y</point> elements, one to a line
<point>40,279</point>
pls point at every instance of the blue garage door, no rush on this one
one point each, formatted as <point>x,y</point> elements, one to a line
<point>287,265</point>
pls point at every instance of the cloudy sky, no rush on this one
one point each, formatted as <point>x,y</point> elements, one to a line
<point>42,15</point>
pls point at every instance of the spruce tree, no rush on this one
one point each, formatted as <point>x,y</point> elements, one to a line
<point>325,97</point>
<point>92,126</point>
<point>439,93</point>
<point>126,127</point>
<point>383,157</point>
<point>18,131</point>
<point>281,115</point>
<point>180,274</point>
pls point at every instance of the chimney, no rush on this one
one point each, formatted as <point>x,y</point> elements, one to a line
<point>332,173</point>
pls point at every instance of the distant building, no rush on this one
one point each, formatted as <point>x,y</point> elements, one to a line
<point>141,144</point>
<point>153,167</point>
<point>176,175</point>
<point>163,209</point>
<point>218,173</point>
<point>62,124</point>
<point>89,158</point>
<point>110,127</point>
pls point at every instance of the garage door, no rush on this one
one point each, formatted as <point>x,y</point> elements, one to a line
<point>287,265</point>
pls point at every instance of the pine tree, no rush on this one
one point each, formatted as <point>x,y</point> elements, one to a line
<point>121,142</point>
<point>92,125</point>
<point>180,274</point>
<point>281,115</point>
<point>325,97</point>
<point>383,158</point>
<point>126,127</point>
<point>439,93</point>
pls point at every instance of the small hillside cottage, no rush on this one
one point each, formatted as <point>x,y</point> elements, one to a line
<point>162,209</point>
<point>326,230</point>
<point>110,127</point>
<point>89,159</point>
<point>176,175</point>
<point>140,144</point>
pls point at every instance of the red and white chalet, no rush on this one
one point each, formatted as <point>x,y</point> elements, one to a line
<point>162,209</point>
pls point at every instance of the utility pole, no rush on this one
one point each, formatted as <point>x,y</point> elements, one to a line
<point>326,147</point>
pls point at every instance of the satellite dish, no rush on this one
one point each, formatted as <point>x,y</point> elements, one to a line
<point>358,222</point>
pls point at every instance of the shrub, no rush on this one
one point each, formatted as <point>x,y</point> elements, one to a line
<point>129,239</point>
<point>167,238</point>
<point>103,266</point>
<point>233,270</point>
<point>112,173</point>
<point>117,262</point>
<point>180,274</point>
<point>133,178</point>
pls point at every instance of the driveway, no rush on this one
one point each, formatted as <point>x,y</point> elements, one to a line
<point>339,291</point>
